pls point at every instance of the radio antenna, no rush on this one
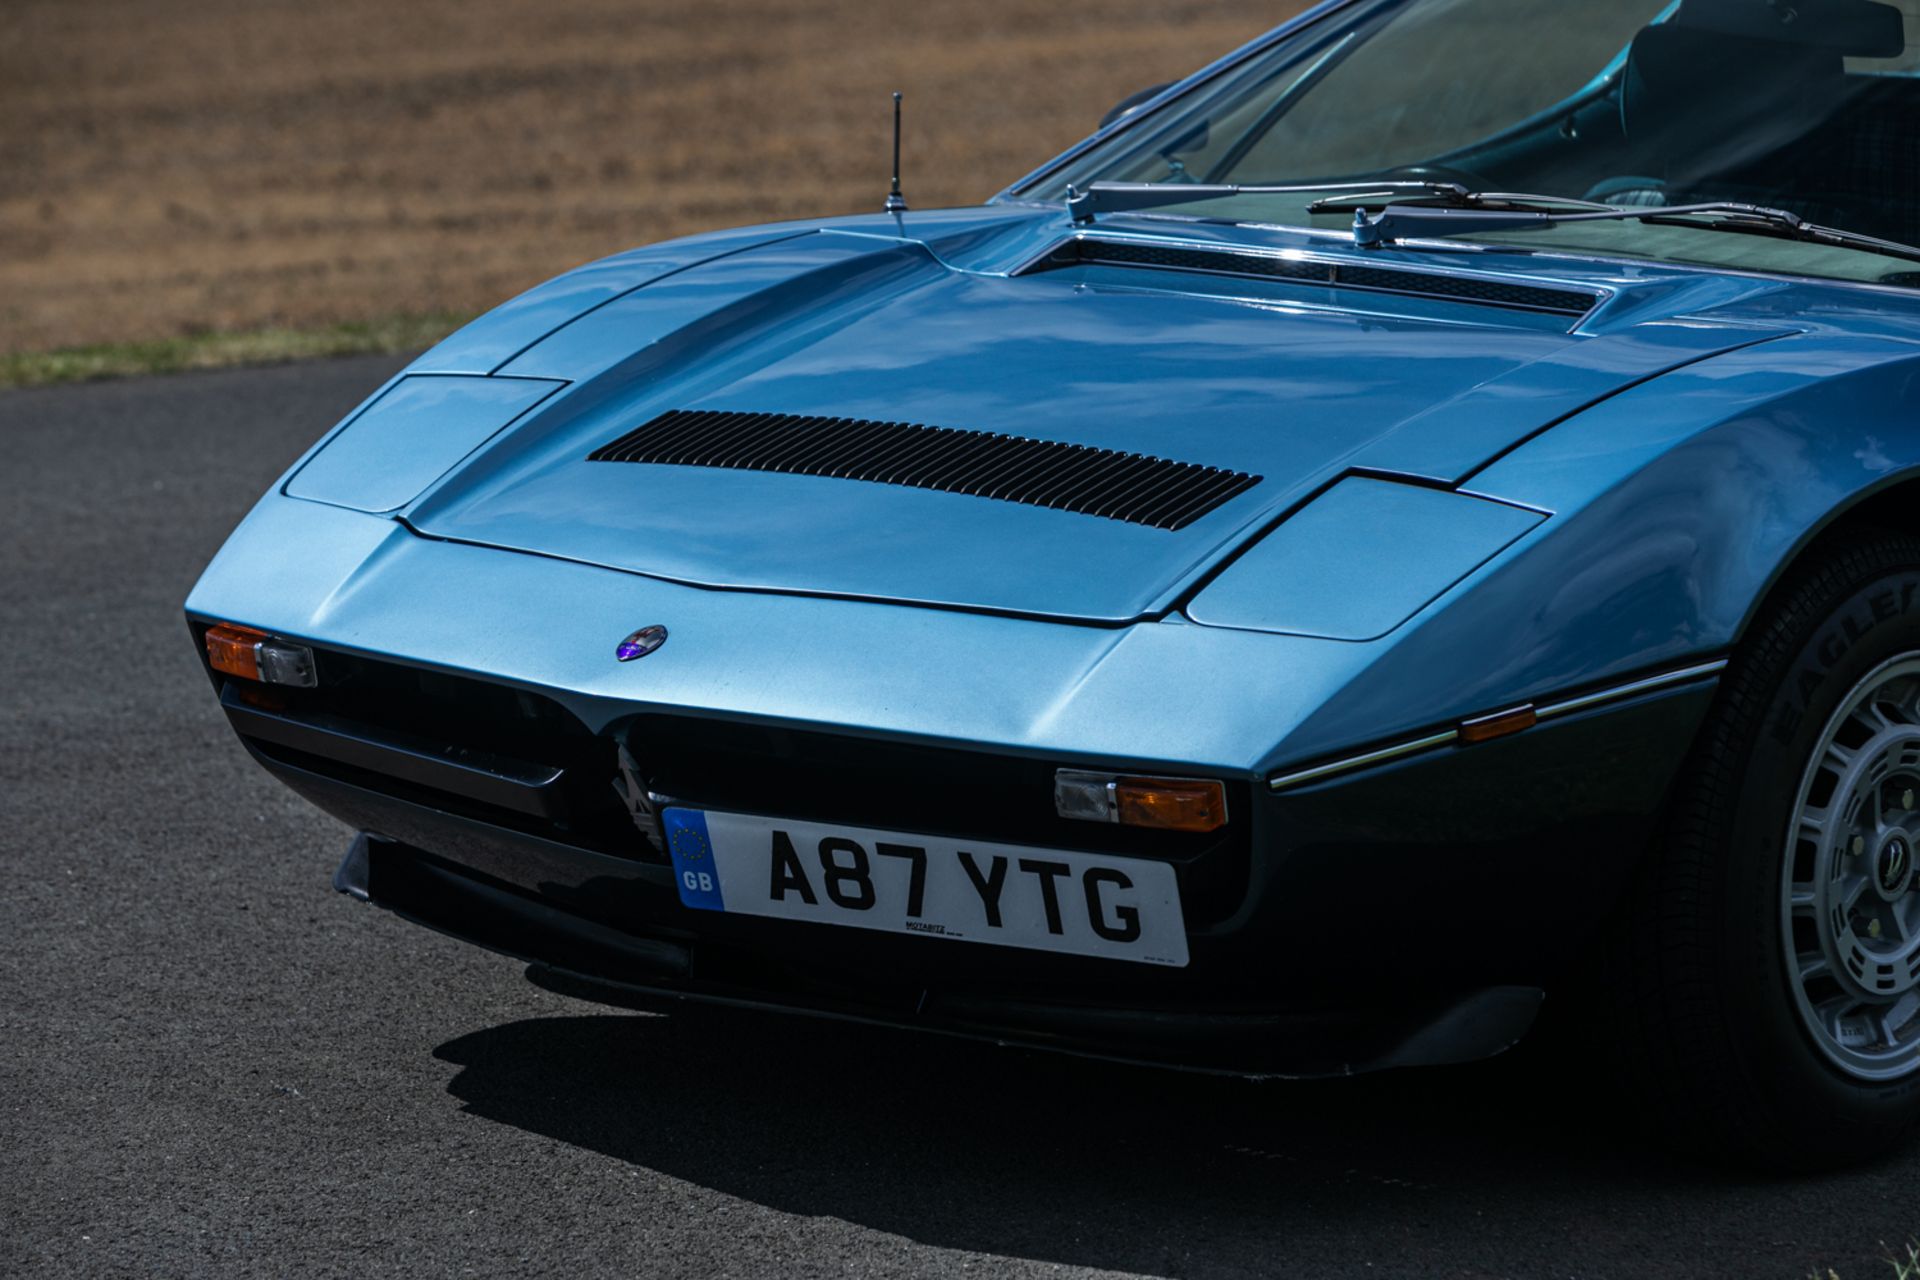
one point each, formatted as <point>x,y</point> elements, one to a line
<point>896,203</point>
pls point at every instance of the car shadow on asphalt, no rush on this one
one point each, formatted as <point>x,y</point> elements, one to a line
<point>969,1146</point>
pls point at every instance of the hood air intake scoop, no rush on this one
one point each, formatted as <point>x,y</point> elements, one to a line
<point>1313,271</point>
<point>1134,487</point>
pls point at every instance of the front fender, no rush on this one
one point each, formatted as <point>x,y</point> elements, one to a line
<point>1676,505</point>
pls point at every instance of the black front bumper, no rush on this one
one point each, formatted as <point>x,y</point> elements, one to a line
<point>1408,914</point>
<point>579,957</point>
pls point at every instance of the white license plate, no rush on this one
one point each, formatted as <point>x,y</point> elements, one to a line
<point>1045,899</point>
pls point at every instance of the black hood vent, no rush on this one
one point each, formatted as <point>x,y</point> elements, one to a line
<point>1133,487</point>
<point>1308,271</point>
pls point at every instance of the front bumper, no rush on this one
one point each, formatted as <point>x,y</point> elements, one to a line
<point>1331,927</point>
<point>1408,915</point>
<point>575,956</point>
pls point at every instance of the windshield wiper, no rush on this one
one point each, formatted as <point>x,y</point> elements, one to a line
<point>1412,222</point>
<point>1437,209</point>
<point>1127,197</point>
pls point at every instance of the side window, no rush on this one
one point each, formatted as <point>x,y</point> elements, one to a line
<point>1908,63</point>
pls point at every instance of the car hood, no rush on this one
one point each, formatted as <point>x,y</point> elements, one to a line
<point>1283,383</point>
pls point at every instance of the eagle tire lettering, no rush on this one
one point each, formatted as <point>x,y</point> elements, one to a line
<point>1834,642</point>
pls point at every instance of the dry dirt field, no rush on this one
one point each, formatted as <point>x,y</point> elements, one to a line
<point>171,167</point>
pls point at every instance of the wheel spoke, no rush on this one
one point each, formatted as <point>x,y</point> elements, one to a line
<point>1851,947</point>
<point>1876,720</point>
<point>1855,891</point>
<point>1830,1012</point>
<point>1900,1013</point>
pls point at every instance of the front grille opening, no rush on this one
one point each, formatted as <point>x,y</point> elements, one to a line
<point>830,777</point>
<point>1134,487</point>
<point>470,716</point>
<point>1339,275</point>
<point>742,767</point>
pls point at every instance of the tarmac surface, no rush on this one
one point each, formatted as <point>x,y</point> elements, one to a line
<point>212,1064</point>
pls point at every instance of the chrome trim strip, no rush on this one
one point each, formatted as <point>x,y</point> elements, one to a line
<point>1664,680</point>
<point>1544,711</point>
<point>1544,253</point>
<point>1601,293</point>
<point>1443,738</point>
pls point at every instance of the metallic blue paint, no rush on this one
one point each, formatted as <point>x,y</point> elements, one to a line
<point>858,326</point>
<point>1462,507</point>
<point>1692,432</point>
<point>1321,572</point>
<point>501,334</point>
<point>416,431</point>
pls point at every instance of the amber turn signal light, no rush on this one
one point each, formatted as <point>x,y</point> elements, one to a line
<point>1175,804</point>
<point>235,650</point>
<point>1497,725</point>
<point>255,655</point>
<point>1170,804</point>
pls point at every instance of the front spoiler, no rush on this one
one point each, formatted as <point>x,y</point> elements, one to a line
<point>580,957</point>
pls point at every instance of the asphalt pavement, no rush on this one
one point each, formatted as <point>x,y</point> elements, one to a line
<point>212,1064</point>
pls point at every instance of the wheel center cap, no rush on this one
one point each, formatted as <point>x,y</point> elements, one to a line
<point>1893,871</point>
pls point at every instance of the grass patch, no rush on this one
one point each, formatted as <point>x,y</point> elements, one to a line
<point>391,335</point>
<point>1907,1268</point>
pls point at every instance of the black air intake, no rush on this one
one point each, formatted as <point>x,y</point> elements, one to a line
<point>1336,275</point>
<point>1134,487</point>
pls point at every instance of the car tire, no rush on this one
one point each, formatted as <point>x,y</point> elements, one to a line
<point>1783,890</point>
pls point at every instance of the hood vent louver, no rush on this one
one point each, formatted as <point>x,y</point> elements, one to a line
<point>1134,487</point>
<point>1314,271</point>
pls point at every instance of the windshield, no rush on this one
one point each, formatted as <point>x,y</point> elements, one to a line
<point>1811,106</point>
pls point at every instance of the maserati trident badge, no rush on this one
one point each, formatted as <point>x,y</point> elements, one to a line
<point>641,643</point>
<point>1896,864</point>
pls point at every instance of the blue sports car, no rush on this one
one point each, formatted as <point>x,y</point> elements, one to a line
<point>1419,517</point>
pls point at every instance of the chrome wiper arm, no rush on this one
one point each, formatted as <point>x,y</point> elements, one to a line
<point>1409,221</point>
<point>1456,211</point>
<point>1127,197</point>
<point>1461,198</point>
<point>1412,221</point>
